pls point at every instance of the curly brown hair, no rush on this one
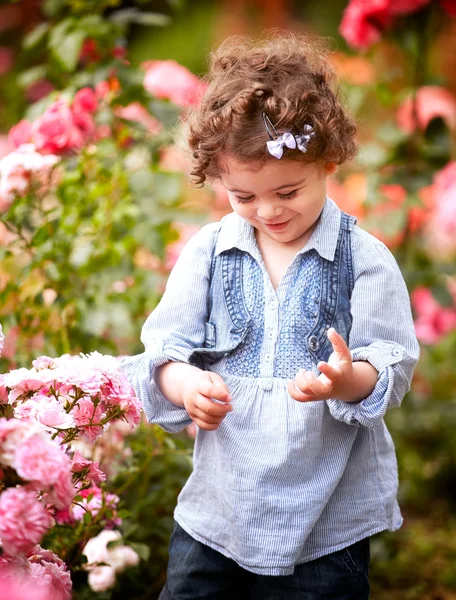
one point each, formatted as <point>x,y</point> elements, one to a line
<point>287,77</point>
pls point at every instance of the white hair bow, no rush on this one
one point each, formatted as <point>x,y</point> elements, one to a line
<point>287,140</point>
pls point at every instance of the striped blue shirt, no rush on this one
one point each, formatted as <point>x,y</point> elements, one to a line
<point>282,482</point>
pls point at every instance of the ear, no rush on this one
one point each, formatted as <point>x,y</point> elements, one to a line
<point>330,168</point>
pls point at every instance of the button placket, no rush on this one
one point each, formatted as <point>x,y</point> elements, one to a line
<point>271,321</point>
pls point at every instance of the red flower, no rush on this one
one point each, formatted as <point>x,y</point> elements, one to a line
<point>365,20</point>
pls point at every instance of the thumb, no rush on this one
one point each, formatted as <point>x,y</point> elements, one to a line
<point>218,381</point>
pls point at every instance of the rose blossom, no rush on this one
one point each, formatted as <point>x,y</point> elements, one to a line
<point>50,572</point>
<point>168,79</point>
<point>20,134</point>
<point>40,459</point>
<point>16,169</point>
<point>84,100</point>
<point>93,472</point>
<point>117,559</point>
<point>441,227</point>
<point>55,131</point>
<point>92,501</point>
<point>23,520</point>
<point>136,112</point>
<point>433,320</point>
<point>431,101</point>
<point>364,21</point>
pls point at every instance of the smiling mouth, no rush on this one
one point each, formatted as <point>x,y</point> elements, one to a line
<point>277,226</point>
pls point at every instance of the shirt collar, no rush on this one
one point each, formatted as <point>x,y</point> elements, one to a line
<point>238,233</point>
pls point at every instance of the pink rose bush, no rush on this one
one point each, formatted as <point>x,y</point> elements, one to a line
<point>72,396</point>
<point>46,484</point>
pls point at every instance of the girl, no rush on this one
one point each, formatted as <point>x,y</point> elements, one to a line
<point>285,333</point>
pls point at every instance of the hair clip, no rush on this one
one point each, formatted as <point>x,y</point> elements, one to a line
<point>286,140</point>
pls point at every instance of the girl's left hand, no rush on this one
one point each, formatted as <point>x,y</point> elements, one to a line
<point>335,374</point>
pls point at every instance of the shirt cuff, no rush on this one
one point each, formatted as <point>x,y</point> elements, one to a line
<point>384,357</point>
<point>140,371</point>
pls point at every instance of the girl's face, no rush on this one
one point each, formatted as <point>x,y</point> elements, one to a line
<point>281,199</point>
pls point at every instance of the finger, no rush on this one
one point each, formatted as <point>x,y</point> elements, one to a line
<point>212,408</point>
<point>299,395</point>
<point>205,417</point>
<point>332,372</point>
<point>304,380</point>
<point>339,345</point>
<point>206,426</point>
<point>211,390</point>
<point>218,381</point>
<point>309,384</point>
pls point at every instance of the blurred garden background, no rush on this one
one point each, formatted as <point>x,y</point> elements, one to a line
<point>94,208</point>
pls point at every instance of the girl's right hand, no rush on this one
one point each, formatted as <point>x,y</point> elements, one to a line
<point>198,395</point>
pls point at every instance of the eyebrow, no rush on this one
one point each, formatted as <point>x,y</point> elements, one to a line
<point>285,185</point>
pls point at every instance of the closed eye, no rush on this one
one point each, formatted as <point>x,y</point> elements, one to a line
<point>244,199</point>
<point>288,196</point>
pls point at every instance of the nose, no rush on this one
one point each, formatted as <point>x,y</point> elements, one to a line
<point>267,211</point>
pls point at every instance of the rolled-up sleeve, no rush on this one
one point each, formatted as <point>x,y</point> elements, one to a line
<point>382,332</point>
<point>174,329</point>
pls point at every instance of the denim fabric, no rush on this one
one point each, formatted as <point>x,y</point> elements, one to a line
<point>197,572</point>
<point>229,318</point>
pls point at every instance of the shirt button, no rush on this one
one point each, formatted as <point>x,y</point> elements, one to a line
<point>396,352</point>
<point>270,335</point>
<point>273,304</point>
<point>314,344</point>
<point>268,357</point>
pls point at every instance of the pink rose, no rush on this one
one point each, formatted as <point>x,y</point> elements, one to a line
<point>41,460</point>
<point>364,21</point>
<point>102,89</point>
<point>441,227</point>
<point>92,469</point>
<point>168,79</point>
<point>55,131</point>
<point>23,520</point>
<point>52,573</point>
<point>84,101</point>
<point>430,102</point>
<point>84,414</point>
<point>93,500</point>
<point>102,578</point>
<point>136,112</point>
<point>433,321</point>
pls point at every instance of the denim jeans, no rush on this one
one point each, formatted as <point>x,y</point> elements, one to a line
<point>197,572</point>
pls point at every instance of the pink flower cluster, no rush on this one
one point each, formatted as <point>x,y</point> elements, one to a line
<point>72,396</point>
<point>17,169</point>
<point>364,21</point>
<point>27,451</point>
<point>41,575</point>
<point>433,320</point>
<point>170,80</point>
<point>62,127</point>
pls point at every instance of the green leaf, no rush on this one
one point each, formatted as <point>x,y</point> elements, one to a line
<point>36,36</point>
<point>51,8</point>
<point>26,78</point>
<point>66,45</point>
<point>442,295</point>
<point>142,550</point>
<point>133,15</point>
